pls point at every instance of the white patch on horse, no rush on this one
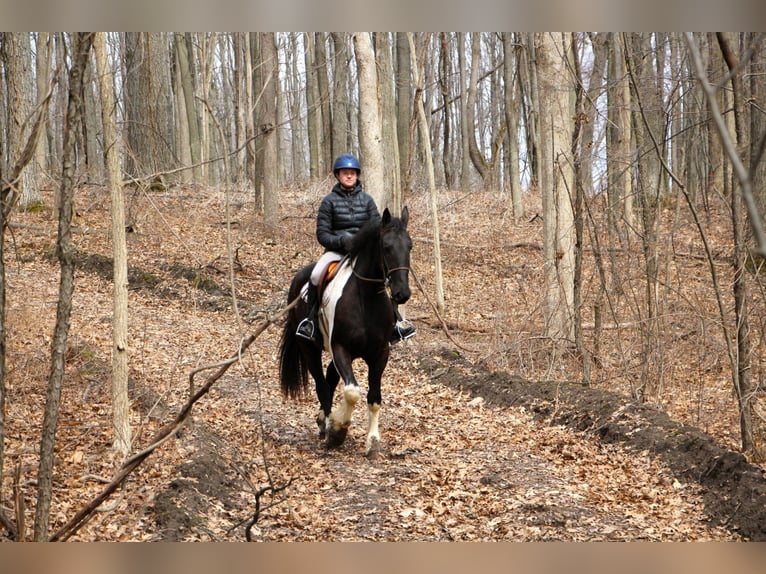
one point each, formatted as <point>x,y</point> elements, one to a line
<point>330,299</point>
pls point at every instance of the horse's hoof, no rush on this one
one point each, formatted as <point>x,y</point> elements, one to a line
<point>373,451</point>
<point>336,437</point>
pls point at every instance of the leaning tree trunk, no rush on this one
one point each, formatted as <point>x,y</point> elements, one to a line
<point>65,250</point>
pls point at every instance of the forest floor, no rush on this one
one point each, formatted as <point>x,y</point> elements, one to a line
<point>487,432</point>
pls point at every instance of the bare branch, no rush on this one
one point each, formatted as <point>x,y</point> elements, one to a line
<point>741,172</point>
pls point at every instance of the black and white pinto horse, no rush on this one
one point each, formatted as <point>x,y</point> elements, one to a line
<point>356,319</point>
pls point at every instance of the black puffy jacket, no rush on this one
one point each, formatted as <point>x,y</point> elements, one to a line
<point>343,213</point>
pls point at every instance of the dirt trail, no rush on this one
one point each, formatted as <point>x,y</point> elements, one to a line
<point>454,465</point>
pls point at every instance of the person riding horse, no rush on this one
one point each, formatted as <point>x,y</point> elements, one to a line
<point>341,213</point>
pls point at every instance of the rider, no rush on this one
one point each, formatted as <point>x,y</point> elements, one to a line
<point>342,212</point>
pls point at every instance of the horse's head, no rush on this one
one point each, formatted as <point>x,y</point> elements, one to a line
<point>395,247</point>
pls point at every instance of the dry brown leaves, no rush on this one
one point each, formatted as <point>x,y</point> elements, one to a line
<point>452,468</point>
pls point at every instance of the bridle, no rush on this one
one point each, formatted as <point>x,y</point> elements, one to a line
<point>387,271</point>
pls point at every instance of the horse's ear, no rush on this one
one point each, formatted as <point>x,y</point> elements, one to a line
<point>386,217</point>
<point>405,216</point>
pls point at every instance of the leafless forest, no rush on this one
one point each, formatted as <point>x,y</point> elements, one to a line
<point>587,208</point>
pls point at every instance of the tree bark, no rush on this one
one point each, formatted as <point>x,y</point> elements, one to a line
<point>426,143</point>
<point>370,135</point>
<point>269,130</point>
<point>514,179</point>
<point>120,402</point>
<point>391,182</point>
<point>66,251</point>
<point>341,117</point>
<point>192,121</point>
<point>556,183</point>
<point>403,103</point>
<point>17,49</point>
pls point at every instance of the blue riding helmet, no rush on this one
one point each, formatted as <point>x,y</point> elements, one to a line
<point>346,161</point>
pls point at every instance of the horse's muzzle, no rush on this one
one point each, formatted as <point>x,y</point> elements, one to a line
<point>401,294</point>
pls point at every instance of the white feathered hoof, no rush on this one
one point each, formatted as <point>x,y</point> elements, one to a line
<point>373,449</point>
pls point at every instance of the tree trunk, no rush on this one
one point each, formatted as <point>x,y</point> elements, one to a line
<point>240,108</point>
<point>514,179</point>
<point>391,182</point>
<point>426,142</point>
<point>555,89</point>
<point>369,120</point>
<point>17,49</point>
<point>326,148</point>
<point>341,124</point>
<point>648,128</point>
<point>148,104</point>
<point>269,129</point>
<point>44,46</point>
<point>120,402</point>
<point>741,374</point>
<point>192,121</point>
<point>66,251</point>
<point>313,110</point>
<point>477,159</point>
<point>403,103</point>
<point>465,165</point>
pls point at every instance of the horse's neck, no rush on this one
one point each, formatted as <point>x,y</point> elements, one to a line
<point>368,263</point>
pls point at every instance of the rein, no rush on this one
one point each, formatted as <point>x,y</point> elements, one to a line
<point>386,270</point>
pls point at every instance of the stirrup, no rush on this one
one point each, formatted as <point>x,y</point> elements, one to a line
<point>403,330</point>
<point>305,329</point>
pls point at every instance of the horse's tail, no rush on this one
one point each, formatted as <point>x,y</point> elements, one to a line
<point>293,372</point>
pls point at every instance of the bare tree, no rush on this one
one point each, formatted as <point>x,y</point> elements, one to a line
<point>387,102</point>
<point>17,56</point>
<point>65,249</point>
<point>120,402</point>
<point>341,109</point>
<point>403,102</point>
<point>511,109</point>
<point>556,181</point>
<point>269,129</point>
<point>426,143</point>
<point>370,134</point>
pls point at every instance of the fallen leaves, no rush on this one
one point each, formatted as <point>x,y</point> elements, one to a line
<point>453,467</point>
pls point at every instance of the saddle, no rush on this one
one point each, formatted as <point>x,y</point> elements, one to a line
<point>326,276</point>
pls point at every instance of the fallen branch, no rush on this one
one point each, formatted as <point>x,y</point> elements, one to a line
<point>167,432</point>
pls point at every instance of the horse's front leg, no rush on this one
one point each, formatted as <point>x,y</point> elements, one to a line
<point>326,394</point>
<point>374,399</point>
<point>340,418</point>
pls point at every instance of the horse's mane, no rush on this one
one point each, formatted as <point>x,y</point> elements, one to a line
<point>367,233</point>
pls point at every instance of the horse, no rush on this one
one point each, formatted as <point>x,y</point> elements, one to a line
<point>356,318</point>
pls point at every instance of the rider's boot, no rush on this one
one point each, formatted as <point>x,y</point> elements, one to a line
<point>403,329</point>
<point>308,327</point>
